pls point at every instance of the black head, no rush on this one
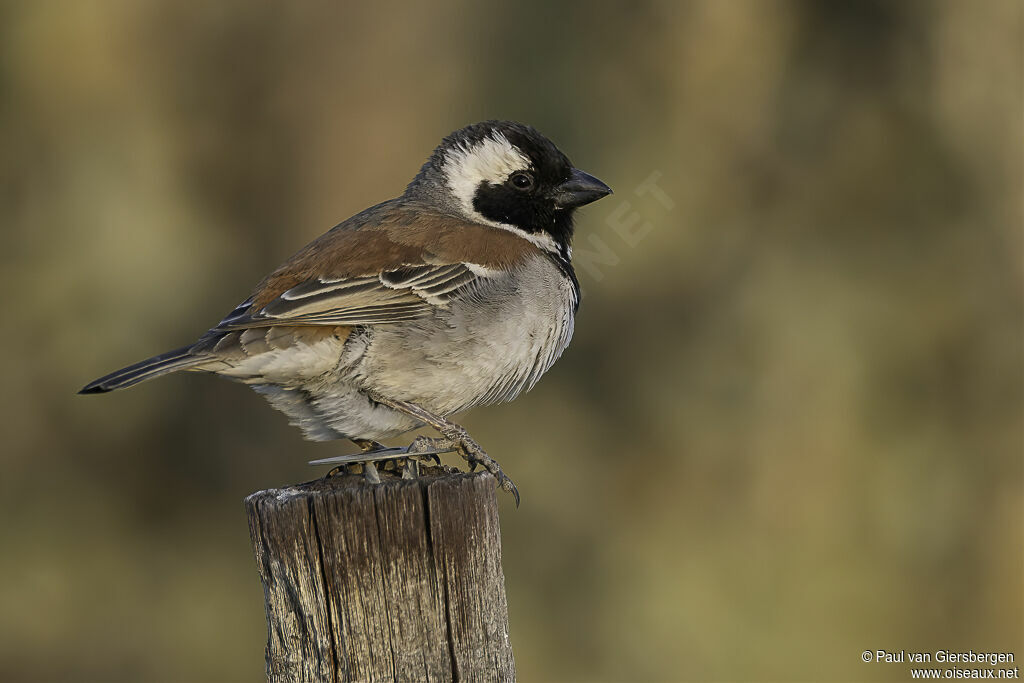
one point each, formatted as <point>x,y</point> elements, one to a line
<point>510,176</point>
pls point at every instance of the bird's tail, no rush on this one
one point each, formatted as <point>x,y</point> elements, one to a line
<point>172,361</point>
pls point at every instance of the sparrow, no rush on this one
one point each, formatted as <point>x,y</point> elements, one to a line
<point>459,293</point>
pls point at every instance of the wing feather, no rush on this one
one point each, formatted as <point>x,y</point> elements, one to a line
<point>392,262</point>
<point>397,295</point>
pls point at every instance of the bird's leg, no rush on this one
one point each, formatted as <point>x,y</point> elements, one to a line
<point>389,457</point>
<point>410,467</point>
<point>426,449</point>
<point>455,436</point>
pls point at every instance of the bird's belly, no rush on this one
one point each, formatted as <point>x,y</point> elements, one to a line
<point>484,350</point>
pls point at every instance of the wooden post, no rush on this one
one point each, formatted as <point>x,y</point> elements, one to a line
<point>400,580</point>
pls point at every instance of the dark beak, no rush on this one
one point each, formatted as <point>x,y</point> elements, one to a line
<point>581,188</point>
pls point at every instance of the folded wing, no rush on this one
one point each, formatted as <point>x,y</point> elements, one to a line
<point>396,295</point>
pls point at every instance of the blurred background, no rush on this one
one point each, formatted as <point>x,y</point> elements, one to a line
<point>789,427</point>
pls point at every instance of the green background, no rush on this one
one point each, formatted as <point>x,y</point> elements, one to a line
<point>788,429</point>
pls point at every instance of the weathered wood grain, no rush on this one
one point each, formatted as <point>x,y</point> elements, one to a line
<point>400,580</point>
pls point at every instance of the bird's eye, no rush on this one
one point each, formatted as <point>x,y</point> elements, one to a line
<point>522,181</point>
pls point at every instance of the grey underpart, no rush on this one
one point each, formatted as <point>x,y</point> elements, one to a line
<point>486,345</point>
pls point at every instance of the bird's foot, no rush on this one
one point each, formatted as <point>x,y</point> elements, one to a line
<point>399,460</point>
<point>426,449</point>
<point>349,463</point>
<point>457,438</point>
<point>371,469</point>
<point>422,449</point>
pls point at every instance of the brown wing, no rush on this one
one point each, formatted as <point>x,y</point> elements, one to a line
<point>404,293</point>
<point>382,266</point>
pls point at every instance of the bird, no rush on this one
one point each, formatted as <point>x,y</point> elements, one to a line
<point>458,293</point>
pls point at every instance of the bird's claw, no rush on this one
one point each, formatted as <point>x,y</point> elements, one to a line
<point>407,460</point>
<point>508,485</point>
<point>475,456</point>
<point>399,460</point>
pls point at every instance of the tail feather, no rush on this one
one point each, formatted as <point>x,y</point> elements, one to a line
<point>172,361</point>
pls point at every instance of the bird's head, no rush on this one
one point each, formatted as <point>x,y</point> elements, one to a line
<point>508,176</point>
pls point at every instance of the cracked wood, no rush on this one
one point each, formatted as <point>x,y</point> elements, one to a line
<point>396,581</point>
